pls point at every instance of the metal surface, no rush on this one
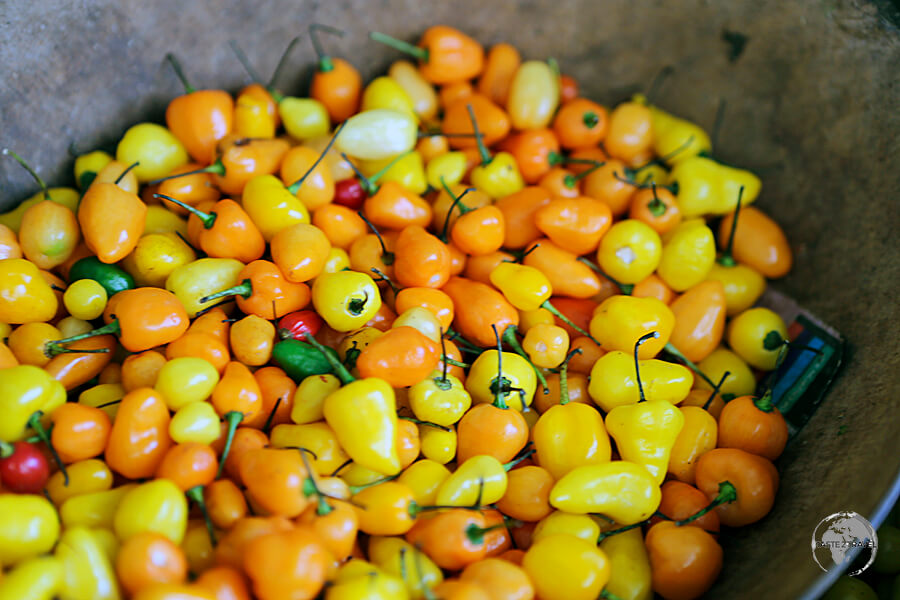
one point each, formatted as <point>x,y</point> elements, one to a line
<point>812,106</point>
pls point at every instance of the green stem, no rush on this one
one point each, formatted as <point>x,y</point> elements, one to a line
<point>454,362</point>
<point>54,348</point>
<point>564,382</point>
<point>386,257</point>
<point>32,172</point>
<point>217,168</point>
<point>637,365</point>
<point>233,418</point>
<point>125,172</point>
<point>310,487</point>
<point>368,186</point>
<point>625,288</point>
<point>355,489</point>
<point>196,494</point>
<point>509,336</point>
<point>764,403</point>
<point>245,62</point>
<point>555,158</point>
<point>463,209</point>
<point>556,313</point>
<point>688,363</point>
<point>716,390</point>
<point>727,258</point>
<point>455,335</point>
<point>208,219</point>
<point>405,47</point>
<point>656,206</point>
<point>590,119</point>
<point>613,532</point>
<point>295,187</point>
<point>482,149</point>
<point>35,423</point>
<point>272,412</point>
<point>341,371</point>
<point>325,62</point>
<point>727,493</point>
<point>499,401</point>
<point>386,279</point>
<point>607,595</point>
<point>476,533</point>
<point>179,72</point>
<point>282,61</point>
<point>570,180</point>
<point>426,423</point>
<point>244,289</point>
<point>509,466</point>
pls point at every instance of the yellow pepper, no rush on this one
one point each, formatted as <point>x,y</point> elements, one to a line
<point>401,559</point>
<point>614,382</point>
<point>437,444</point>
<point>157,505</point>
<point>698,435</point>
<point>707,187</point>
<point>630,251</point>
<point>630,565</point>
<point>376,134</point>
<point>157,151</point>
<point>514,385</point>
<point>363,415</point>
<point>424,477</point>
<point>346,300</point>
<point>271,206</point>
<point>645,433</point>
<point>439,399</point>
<point>102,395</point>
<point>530,318</point>
<point>581,526</point>
<point>620,321</point>
<point>423,99</point>
<point>448,168</point>
<point>37,579</point>
<point>88,165</point>
<point>160,219</point>
<point>85,477</point>
<point>29,526</point>
<point>195,422</point>
<point>201,278</point>
<point>26,297</point>
<point>155,257</point>
<point>386,93</point>
<point>359,580</point>
<point>740,380</point>
<point>309,399</point>
<point>94,509</point>
<point>26,392</point>
<point>87,571</point>
<point>499,176</point>
<point>675,139</point>
<point>422,320</point>
<point>757,335</point>
<point>525,287</point>
<point>624,491</point>
<point>743,286</point>
<point>197,547</point>
<point>569,435</point>
<point>326,453</point>
<point>304,118</point>
<point>688,255</point>
<point>563,567</point>
<point>408,170</point>
<point>533,95</point>
<point>480,480</point>
<point>61,195</point>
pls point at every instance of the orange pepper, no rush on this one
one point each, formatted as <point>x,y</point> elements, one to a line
<point>263,291</point>
<point>590,352</point>
<point>233,546</point>
<point>214,322</point>
<point>561,182</point>
<point>9,244</point>
<point>490,430</point>
<point>74,368</point>
<point>149,558</point>
<point>478,306</point>
<point>567,275</point>
<point>630,133</point>
<point>493,122</point>
<point>142,369</point>
<point>580,122</point>
<point>200,345</point>
<point>420,259</point>
<point>224,583</point>
<point>374,251</point>
<point>653,287</point>
<point>533,150</point>
<point>274,478</point>
<point>684,561</point>
<point>527,496</point>
<point>681,500</point>
<point>226,231</point>
<point>79,431</point>
<point>446,54</point>
<point>699,320</point>
<point>188,465</point>
<point>199,119</point>
<point>574,224</point>
<point>657,207</point>
<point>149,317</point>
<point>754,477</point>
<point>583,158</point>
<point>112,221</point>
<point>245,439</point>
<point>479,268</point>
<point>341,225</point>
<point>480,231</point>
<point>435,301</point>
<point>608,183</point>
<point>335,83</point>
<point>453,92</point>
<point>395,207</point>
<point>139,438</point>
<point>241,159</point>
<point>753,424</point>
<point>317,187</point>
<point>300,251</point>
<point>502,62</point>
<point>758,242</point>
<point>256,112</point>
<point>276,387</point>
<point>336,529</point>
<point>402,357</point>
<point>452,539</point>
<point>568,88</point>
<point>225,503</point>
<point>518,215</point>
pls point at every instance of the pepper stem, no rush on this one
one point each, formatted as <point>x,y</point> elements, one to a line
<point>405,47</point>
<point>244,289</point>
<point>590,119</point>
<point>355,489</point>
<point>368,186</point>
<point>509,466</point>
<point>6,449</point>
<point>555,158</point>
<point>254,75</point>
<point>179,72</point>
<point>208,219</point>
<point>608,595</point>
<point>196,494</point>
<point>426,423</point>
<point>476,533</point>
<point>442,382</point>
<point>656,206</point>
<point>282,61</point>
<point>764,403</point>
<point>482,149</point>
<point>217,168</point>
<point>688,363</point>
<point>325,62</point>
<point>463,209</point>
<point>125,172</point>
<point>338,367</point>
<point>32,172</point>
<point>455,335</point>
<point>295,187</point>
<point>233,418</point>
<point>570,180</point>
<point>499,402</point>
<point>272,412</point>
<point>637,365</point>
<point>716,390</point>
<point>727,258</point>
<point>455,363</point>
<point>625,288</point>
<point>509,336</point>
<point>613,532</point>
<point>54,348</point>
<point>386,257</point>
<point>727,493</point>
<point>310,487</point>
<point>35,423</point>
<point>556,313</point>
<point>386,279</point>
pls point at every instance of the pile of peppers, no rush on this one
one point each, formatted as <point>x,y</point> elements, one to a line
<point>456,333</point>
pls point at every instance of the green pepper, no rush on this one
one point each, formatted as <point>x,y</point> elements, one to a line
<point>112,278</point>
<point>300,359</point>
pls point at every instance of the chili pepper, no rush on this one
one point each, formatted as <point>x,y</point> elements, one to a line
<point>29,526</point>
<point>79,432</point>
<point>263,291</point>
<point>88,165</point>
<point>149,558</point>
<point>479,480</point>
<point>48,234</point>
<point>39,578</point>
<point>439,399</point>
<point>378,133</point>
<point>85,299</point>
<point>620,320</point>
<point>492,121</point>
<point>533,95</point>
<point>500,67</point>
<point>707,187</point>
<point>629,563</point>
<point>424,477</point>
<point>439,445</point>
<point>402,357</point>
<point>420,91</point>
<point>752,482</point>
<point>446,55</point>
<point>687,256</point>
<point>400,559</point>
<point>613,381</point>
<point>286,564</point>
<point>753,424</point>
<point>580,123</point>
<point>23,468</point>
<point>582,526</point>
<point>630,133</point>
<point>420,319</point>
<point>112,221</point>
<point>493,309</point>
<point>81,361</point>
<point>757,241</point>
<point>421,260</point>
<point>565,567</point>
<point>742,285</point>
<point>194,422</point>
<point>698,435</point>
<point>738,378</point>
<point>657,207</point>
<point>499,579</point>
<point>757,335</point>
<point>674,138</point>
<point>87,570</point>
<point>624,491</point>
<point>186,380</point>
<point>630,251</point>
<point>301,359</point>
<point>271,206</point>
<point>681,502</point>
<point>568,276</point>
<point>497,175</point>
<point>139,437</point>
<point>28,297</point>
<point>93,509</point>
<point>359,579</point>
<point>684,561</point>
<point>349,193</point>
<point>310,397</point>
<point>204,276</point>
<point>346,300</point>
<point>386,93</point>
<point>162,508</point>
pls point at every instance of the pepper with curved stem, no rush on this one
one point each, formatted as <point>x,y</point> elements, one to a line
<point>383,277</point>
<point>570,180</point>
<point>405,47</point>
<point>556,313</point>
<point>282,61</point>
<point>339,368</point>
<point>442,382</point>
<point>656,206</point>
<point>324,61</point>
<point>688,363</point>
<point>564,377</point>
<point>342,466</point>
<point>125,172</point>
<point>727,257</point>
<point>637,367</point>
<point>268,425</point>
<point>716,389</point>
<point>468,346</point>
<point>32,172</point>
<point>509,336</point>
<point>34,422</point>
<point>196,495</point>
<point>499,402</point>
<point>426,423</point>
<point>727,493</point>
<point>625,288</point>
<point>232,418</point>
<point>463,209</point>
<point>55,347</point>
<point>479,140</point>
<point>207,219</point>
<point>217,168</point>
<point>368,183</point>
<point>310,486</point>
<point>179,73</point>
<point>613,532</point>
<point>558,158</point>
<point>387,257</point>
<point>295,187</point>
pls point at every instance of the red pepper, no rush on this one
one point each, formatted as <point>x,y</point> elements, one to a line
<point>23,468</point>
<point>297,325</point>
<point>350,193</point>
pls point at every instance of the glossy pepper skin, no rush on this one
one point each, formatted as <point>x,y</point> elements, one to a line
<point>363,415</point>
<point>620,321</point>
<point>623,491</point>
<point>27,297</point>
<point>140,434</point>
<point>24,391</point>
<point>346,300</point>
<point>111,277</point>
<point>29,526</point>
<point>645,433</point>
<point>629,565</point>
<point>493,309</point>
<point>568,436</point>
<point>301,360</point>
<point>87,569</point>
<point>39,578</point>
<point>614,381</point>
<point>149,317</point>
<point>112,221</point>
